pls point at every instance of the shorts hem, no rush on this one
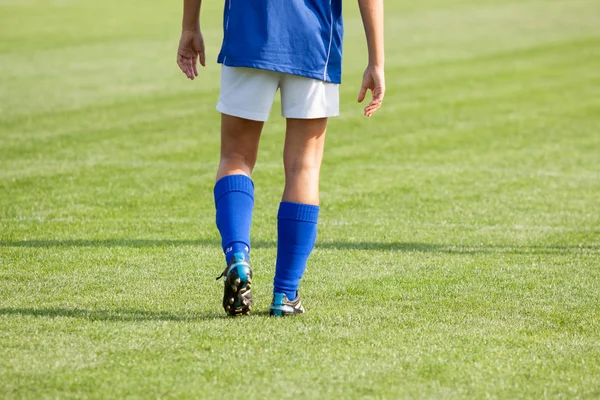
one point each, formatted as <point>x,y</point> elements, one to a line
<point>310,115</point>
<point>222,108</point>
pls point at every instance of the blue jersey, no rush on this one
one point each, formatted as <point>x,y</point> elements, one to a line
<point>298,37</point>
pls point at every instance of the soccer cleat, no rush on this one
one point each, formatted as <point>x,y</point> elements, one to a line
<point>237,297</point>
<point>281,306</point>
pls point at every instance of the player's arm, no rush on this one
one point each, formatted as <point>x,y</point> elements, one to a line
<point>373,78</point>
<point>191,44</point>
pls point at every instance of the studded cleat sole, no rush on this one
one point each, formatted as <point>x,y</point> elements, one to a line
<point>237,292</point>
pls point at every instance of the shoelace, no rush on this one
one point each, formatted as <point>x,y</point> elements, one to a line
<point>222,274</point>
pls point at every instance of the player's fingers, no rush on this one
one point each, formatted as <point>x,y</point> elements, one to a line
<point>195,65</point>
<point>185,65</point>
<point>362,93</point>
<point>375,101</point>
<point>182,65</point>
<point>374,104</point>
<point>378,94</point>
<point>202,58</point>
<point>370,110</point>
<point>372,107</point>
<point>190,67</point>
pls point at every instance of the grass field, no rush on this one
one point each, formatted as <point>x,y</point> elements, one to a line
<point>459,243</point>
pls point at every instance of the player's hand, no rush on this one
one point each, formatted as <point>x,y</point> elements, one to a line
<point>191,47</point>
<point>373,80</point>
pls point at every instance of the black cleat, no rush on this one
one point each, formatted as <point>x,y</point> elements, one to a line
<point>281,306</point>
<point>237,294</point>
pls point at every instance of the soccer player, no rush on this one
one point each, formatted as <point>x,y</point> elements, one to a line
<point>294,46</point>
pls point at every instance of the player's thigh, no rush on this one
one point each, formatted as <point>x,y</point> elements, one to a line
<point>239,145</point>
<point>239,135</point>
<point>307,98</point>
<point>247,93</point>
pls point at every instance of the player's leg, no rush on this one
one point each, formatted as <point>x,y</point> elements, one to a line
<point>234,189</point>
<point>302,157</point>
<point>234,202</point>
<point>298,211</point>
<point>243,116</point>
<point>306,103</point>
<point>239,145</point>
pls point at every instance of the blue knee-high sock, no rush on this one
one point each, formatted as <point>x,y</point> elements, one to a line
<point>234,201</point>
<point>297,232</point>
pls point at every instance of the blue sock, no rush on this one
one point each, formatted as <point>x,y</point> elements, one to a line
<point>234,201</point>
<point>297,232</point>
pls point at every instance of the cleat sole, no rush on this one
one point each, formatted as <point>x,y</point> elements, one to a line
<point>237,298</point>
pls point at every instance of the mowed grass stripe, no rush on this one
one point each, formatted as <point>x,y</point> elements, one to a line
<point>458,245</point>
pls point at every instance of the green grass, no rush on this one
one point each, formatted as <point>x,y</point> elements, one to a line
<point>459,243</point>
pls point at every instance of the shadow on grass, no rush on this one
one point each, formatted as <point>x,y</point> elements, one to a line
<point>110,243</point>
<point>329,245</point>
<point>113,315</point>
<point>457,249</point>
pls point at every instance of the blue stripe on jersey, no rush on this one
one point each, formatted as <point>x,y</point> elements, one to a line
<point>299,37</point>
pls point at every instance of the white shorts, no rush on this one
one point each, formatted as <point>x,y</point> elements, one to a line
<point>249,93</point>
